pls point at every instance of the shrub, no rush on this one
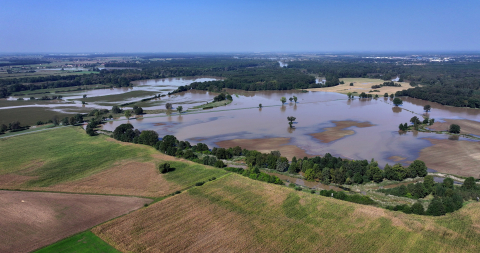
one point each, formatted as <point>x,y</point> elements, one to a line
<point>164,168</point>
<point>199,183</point>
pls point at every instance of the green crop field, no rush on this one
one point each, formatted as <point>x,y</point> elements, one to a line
<point>235,213</point>
<point>63,154</point>
<point>83,242</point>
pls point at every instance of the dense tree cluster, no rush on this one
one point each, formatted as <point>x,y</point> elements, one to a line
<point>391,83</point>
<point>447,197</point>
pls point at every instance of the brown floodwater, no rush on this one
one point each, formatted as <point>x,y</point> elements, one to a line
<point>315,112</point>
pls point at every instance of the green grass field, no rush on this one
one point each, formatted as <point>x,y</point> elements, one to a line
<point>83,242</point>
<point>189,174</point>
<point>63,154</point>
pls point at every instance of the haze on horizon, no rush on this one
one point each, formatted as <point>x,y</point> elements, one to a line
<point>243,26</point>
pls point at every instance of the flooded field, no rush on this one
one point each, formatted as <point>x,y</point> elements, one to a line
<point>363,128</point>
<point>326,122</point>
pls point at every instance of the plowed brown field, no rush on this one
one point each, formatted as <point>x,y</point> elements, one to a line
<point>339,130</point>
<point>30,220</point>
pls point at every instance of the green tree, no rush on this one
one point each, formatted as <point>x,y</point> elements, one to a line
<point>72,120</point>
<point>469,184</point>
<point>392,95</point>
<point>427,108</point>
<point>349,94</point>
<point>436,208</point>
<point>417,208</point>
<point>310,175</point>
<point>282,164</point>
<point>295,99</point>
<point>291,99</point>
<point>260,105</point>
<point>179,109</point>
<point>448,183</point>
<point>385,95</point>
<point>291,119</point>
<point>148,137</point>
<point>428,182</point>
<point>326,175</point>
<point>168,106</point>
<point>397,101</point>
<point>454,129</point>
<point>128,114</point>
<point>283,100</point>
<point>417,168</point>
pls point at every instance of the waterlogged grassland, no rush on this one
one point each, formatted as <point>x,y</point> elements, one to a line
<point>83,242</point>
<point>120,97</point>
<point>64,154</point>
<point>234,213</point>
<point>31,115</point>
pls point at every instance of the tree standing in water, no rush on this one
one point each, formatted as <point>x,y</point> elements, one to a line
<point>291,119</point>
<point>427,108</point>
<point>179,109</point>
<point>397,101</point>
<point>128,114</point>
<point>295,99</point>
<point>284,100</point>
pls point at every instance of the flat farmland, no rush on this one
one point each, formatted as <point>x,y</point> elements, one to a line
<point>31,220</point>
<point>235,213</point>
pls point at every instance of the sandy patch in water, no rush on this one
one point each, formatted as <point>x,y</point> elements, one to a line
<point>266,145</point>
<point>337,132</point>
<point>454,157</point>
<point>363,85</point>
<point>466,126</point>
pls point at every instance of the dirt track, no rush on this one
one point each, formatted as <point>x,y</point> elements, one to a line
<point>30,220</point>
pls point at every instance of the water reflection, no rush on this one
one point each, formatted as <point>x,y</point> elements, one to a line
<point>396,109</point>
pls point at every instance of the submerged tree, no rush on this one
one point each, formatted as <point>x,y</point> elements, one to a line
<point>284,100</point>
<point>291,99</point>
<point>291,119</point>
<point>259,105</point>
<point>179,109</point>
<point>397,101</point>
<point>427,108</point>
<point>168,106</point>
<point>295,99</point>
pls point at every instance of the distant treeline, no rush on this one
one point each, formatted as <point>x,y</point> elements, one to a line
<point>13,62</point>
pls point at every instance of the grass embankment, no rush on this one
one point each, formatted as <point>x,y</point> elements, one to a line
<point>118,97</point>
<point>83,242</point>
<point>213,104</point>
<point>238,214</point>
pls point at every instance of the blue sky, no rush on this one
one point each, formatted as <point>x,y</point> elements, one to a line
<point>239,26</point>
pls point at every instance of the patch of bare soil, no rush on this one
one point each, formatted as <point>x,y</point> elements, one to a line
<point>266,145</point>
<point>15,180</point>
<point>396,158</point>
<point>363,85</point>
<point>179,224</point>
<point>466,126</point>
<point>338,131</point>
<point>127,178</point>
<point>31,220</point>
<point>454,157</point>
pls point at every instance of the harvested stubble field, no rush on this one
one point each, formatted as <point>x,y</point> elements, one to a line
<point>363,85</point>
<point>453,157</point>
<point>466,126</point>
<point>238,214</point>
<point>31,220</point>
<point>68,160</point>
